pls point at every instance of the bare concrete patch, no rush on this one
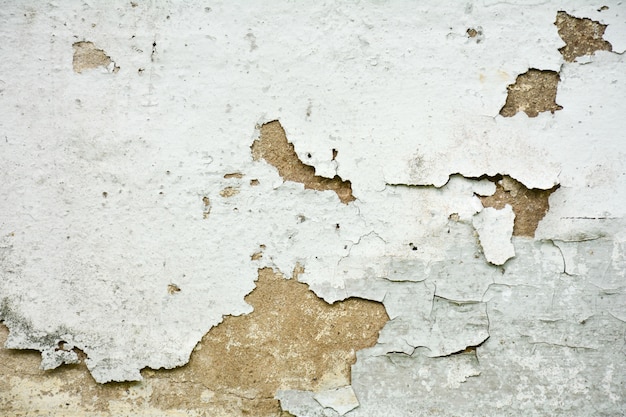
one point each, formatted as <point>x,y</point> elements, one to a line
<point>292,340</point>
<point>581,36</point>
<point>273,147</point>
<point>87,56</point>
<point>533,92</point>
<point>529,205</point>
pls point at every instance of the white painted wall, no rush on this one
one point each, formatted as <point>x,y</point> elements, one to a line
<point>408,100</point>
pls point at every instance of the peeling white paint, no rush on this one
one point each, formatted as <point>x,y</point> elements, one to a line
<point>495,229</point>
<point>105,176</point>
<point>340,399</point>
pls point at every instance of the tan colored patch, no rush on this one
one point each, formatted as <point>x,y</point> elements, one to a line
<point>87,56</point>
<point>533,92</point>
<point>273,147</point>
<point>207,207</point>
<point>173,288</point>
<point>581,36</point>
<point>229,192</point>
<point>292,340</point>
<point>25,390</point>
<point>529,205</point>
<point>233,175</point>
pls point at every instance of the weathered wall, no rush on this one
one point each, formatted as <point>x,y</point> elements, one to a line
<point>380,208</point>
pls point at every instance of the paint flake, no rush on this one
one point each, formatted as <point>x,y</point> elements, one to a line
<point>495,228</point>
<point>340,399</point>
<point>408,127</point>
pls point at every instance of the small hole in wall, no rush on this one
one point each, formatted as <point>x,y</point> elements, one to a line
<point>337,226</point>
<point>254,182</point>
<point>60,345</point>
<point>335,152</point>
<point>308,155</point>
<point>173,288</point>
<point>412,246</point>
<point>105,194</point>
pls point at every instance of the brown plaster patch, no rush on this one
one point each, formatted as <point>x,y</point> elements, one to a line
<point>292,340</point>
<point>87,56</point>
<point>581,36</point>
<point>533,92</point>
<point>229,192</point>
<point>273,147</point>
<point>207,207</point>
<point>233,175</point>
<point>529,205</point>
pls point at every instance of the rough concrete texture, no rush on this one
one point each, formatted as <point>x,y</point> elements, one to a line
<point>445,182</point>
<point>581,36</point>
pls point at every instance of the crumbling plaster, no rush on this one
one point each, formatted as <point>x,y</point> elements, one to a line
<point>162,161</point>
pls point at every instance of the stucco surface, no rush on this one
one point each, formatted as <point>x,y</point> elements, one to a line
<point>157,156</point>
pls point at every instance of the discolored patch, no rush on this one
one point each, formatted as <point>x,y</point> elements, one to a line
<point>229,192</point>
<point>233,175</point>
<point>292,340</point>
<point>275,149</point>
<point>533,92</point>
<point>581,36</point>
<point>529,205</point>
<point>87,56</point>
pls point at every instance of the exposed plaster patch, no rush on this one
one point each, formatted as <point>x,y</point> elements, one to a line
<point>234,175</point>
<point>273,146</point>
<point>229,192</point>
<point>207,207</point>
<point>292,340</point>
<point>476,34</point>
<point>533,92</point>
<point>581,36</point>
<point>87,56</point>
<point>529,205</point>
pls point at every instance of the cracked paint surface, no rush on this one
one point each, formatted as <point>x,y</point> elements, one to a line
<point>139,206</point>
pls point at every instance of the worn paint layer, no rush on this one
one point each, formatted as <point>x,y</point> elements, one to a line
<point>464,171</point>
<point>292,340</point>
